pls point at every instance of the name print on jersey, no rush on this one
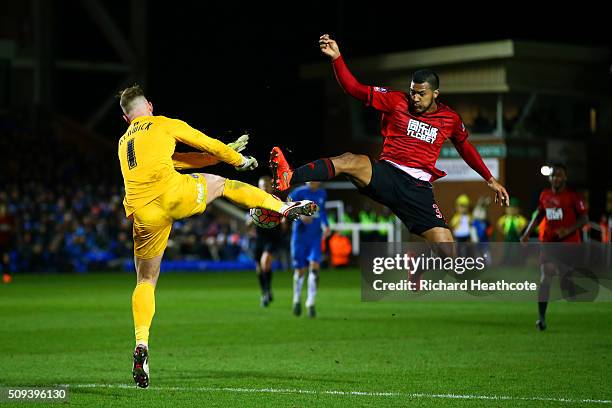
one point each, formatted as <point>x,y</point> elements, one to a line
<point>422,131</point>
<point>139,126</point>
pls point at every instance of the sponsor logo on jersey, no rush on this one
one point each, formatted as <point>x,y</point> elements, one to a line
<point>422,131</point>
<point>554,214</point>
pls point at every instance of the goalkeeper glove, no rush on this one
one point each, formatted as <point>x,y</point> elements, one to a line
<point>248,163</point>
<point>240,143</point>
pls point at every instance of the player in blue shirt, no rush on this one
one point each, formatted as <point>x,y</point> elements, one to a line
<point>306,245</point>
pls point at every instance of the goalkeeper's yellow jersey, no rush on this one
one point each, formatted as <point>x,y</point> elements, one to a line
<point>145,153</point>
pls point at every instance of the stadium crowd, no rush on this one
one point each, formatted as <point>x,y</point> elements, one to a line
<point>65,228</point>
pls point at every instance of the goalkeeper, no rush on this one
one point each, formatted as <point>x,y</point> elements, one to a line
<point>156,195</point>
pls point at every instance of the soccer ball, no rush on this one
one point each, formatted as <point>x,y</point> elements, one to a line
<point>265,218</point>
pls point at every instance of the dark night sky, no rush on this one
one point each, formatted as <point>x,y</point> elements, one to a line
<point>226,67</point>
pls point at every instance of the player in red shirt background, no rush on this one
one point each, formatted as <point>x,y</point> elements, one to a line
<point>414,126</point>
<point>565,214</point>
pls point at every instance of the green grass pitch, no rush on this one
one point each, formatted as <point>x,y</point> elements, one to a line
<point>213,345</point>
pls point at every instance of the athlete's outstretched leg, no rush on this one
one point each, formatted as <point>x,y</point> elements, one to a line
<point>249,196</point>
<point>357,166</point>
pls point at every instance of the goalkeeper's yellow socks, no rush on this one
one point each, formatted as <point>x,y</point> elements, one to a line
<point>249,196</point>
<point>143,309</point>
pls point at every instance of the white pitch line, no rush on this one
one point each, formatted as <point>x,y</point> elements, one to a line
<point>359,393</point>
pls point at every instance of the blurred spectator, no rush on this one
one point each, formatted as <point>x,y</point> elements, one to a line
<point>339,249</point>
<point>461,221</point>
<point>512,223</point>
<point>481,229</point>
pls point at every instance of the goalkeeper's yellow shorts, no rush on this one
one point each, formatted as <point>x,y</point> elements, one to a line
<point>153,222</point>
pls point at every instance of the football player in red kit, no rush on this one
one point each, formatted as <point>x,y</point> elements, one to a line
<point>565,214</point>
<point>414,127</point>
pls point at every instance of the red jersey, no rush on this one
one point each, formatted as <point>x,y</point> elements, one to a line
<point>561,210</point>
<point>414,140</point>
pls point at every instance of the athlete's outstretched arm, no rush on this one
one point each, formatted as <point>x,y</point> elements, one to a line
<point>197,160</point>
<point>471,156</point>
<point>345,78</point>
<point>184,133</point>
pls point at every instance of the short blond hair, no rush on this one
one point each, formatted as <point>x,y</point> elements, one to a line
<point>128,95</point>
